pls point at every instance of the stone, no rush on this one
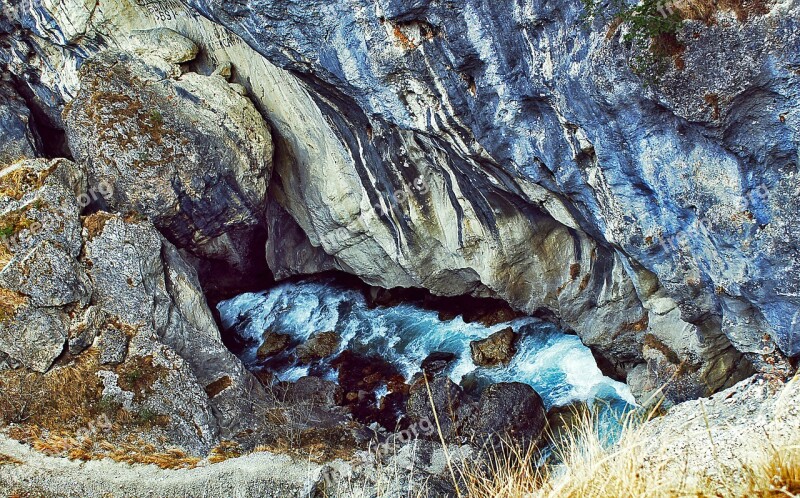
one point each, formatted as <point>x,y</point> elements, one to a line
<point>113,346</point>
<point>453,408</point>
<point>497,349</point>
<point>319,346</point>
<point>437,362</point>
<point>183,150</point>
<point>49,276</point>
<point>75,277</point>
<point>311,389</point>
<point>163,43</point>
<point>18,139</point>
<point>272,344</point>
<point>511,411</point>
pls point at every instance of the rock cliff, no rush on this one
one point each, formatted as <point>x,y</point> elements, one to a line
<point>499,150</point>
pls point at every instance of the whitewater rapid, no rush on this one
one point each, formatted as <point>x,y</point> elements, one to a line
<point>557,365</point>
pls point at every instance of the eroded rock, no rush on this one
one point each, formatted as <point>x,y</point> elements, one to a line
<point>510,411</point>
<point>497,349</point>
<point>69,278</point>
<point>273,343</point>
<point>184,150</point>
<point>319,346</point>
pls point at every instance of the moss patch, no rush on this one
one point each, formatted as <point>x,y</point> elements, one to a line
<point>10,302</point>
<point>95,223</point>
<point>22,180</point>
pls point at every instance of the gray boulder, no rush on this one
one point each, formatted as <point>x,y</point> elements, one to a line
<point>69,279</point>
<point>184,150</point>
<point>113,346</point>
<point>509,411</point>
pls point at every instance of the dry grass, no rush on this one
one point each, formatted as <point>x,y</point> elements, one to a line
<point>63,413</point>
<point>19,180</point>
<point>95,223</point>
<point>225,450</point>
<point>583,465</point>
<point>5,254</point>
<point>9,460</point>
<point>65,397</point>
<point>705,10</point>
<point>10,302</point>
<point>130,451</point>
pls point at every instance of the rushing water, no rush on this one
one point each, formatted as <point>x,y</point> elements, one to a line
<point>556,364</point>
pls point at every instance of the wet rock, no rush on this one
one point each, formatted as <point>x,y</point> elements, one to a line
<point>318,347</point>
<point>361,377</point>
<point>497,349</point>
<point>453,408</point>
<point>113,346</point>
<point>436,362</point>
<point>272,344</point>
<point>510,410</point>
<point>491,317</point>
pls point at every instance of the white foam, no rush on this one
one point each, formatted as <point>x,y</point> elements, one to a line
<point>556,364</point>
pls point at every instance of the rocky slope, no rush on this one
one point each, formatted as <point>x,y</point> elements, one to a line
<point>72,281</point>
<point>496,150</point>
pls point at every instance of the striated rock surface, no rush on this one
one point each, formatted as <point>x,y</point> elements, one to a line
<point>503,151</point>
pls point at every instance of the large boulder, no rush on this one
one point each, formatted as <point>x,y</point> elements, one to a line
<point>440,400</point>
<point>503,412</point>
<point>272,343</point>
<point>319,346</point>
<point>184,150</point>
<point>510,411</point>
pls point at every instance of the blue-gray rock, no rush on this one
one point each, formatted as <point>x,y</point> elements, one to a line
<point>17,138</point>
<point>509,151</point>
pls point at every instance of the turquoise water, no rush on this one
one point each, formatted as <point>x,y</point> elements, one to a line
<point>556,364</point>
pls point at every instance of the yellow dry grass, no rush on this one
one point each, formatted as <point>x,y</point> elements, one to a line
<point>17,180</point>
<point>635,466</point>
<point>132,451</point>
<point>62,413</point>
<point>225,450</point>
<point>9,460</point>
<point>62,398</point>
<point>5,255</point>
<point>10,302</point>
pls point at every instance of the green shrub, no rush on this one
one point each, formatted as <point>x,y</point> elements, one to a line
<point>652,27</point>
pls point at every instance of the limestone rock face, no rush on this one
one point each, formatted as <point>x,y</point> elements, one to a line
<point>500,150</point>
<point>184,150</point>
<point>69,278</point>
